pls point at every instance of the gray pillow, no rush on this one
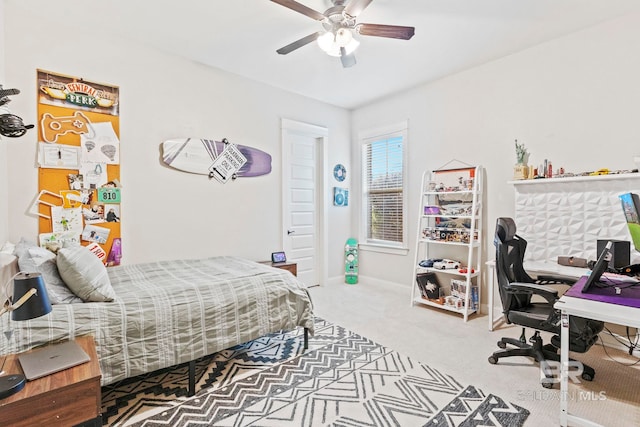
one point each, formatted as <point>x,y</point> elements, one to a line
<point>85,274</point>
<point>34,259</point>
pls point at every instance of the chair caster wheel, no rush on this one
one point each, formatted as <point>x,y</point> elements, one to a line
<point>587,377</point>
<point>493,360</point>
<point>502,345</point>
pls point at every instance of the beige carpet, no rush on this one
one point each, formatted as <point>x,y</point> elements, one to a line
<point>384,314</point>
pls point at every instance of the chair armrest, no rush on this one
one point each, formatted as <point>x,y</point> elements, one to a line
<point>548,293</point>
<point>555,280</point>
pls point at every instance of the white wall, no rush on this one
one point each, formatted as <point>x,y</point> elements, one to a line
<point>165,213</point>
<point>574,100</point>
<point>4,207</point>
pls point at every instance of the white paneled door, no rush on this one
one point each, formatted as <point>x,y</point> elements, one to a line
<point>301,175</point>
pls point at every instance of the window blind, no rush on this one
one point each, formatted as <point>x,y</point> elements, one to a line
<point>384,189</point>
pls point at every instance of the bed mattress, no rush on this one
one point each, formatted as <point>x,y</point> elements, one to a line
<point>171,312</point>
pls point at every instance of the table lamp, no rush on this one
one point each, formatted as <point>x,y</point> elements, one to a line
<point>31,301</point>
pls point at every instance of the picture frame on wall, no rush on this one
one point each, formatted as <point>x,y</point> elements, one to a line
<point>340,196</point>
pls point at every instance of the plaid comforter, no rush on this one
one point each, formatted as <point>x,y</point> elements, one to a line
<point>167,313</point>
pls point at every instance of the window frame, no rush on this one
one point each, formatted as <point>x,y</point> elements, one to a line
<point>367,137</point>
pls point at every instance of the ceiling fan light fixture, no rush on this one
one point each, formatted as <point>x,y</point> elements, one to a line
<point>343,37</point>
<point>352,46</point>
<point>326,41</point>
<point>339,23</point>
<point>331,42</point>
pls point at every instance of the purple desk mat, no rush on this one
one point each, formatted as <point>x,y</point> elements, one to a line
<point>628,296</point>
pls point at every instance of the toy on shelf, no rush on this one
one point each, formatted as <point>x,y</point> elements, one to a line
<point>446,264</point>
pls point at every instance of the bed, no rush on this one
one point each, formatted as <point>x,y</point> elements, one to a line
<point>172,312</point>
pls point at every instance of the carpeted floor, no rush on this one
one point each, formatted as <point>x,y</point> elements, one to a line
<point>343,379</point>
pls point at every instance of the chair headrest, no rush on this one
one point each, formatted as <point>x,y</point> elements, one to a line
<point>505,229</point>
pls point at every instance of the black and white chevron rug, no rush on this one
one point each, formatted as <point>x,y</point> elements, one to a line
<point>343,379</point>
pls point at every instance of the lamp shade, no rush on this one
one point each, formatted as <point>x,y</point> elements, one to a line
<point>35,306</point>
<point>332,42</point>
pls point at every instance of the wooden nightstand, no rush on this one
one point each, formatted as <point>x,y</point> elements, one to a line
<point>66,398</point>
<point>289,266</point>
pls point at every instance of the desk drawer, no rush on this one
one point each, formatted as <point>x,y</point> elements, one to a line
<point>65,406</point>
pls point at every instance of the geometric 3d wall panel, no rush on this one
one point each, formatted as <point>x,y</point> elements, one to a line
<point>566,216</point>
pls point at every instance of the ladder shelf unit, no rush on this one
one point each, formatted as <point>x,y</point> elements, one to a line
<point>447,268</point>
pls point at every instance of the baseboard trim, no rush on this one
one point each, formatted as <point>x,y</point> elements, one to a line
<point>339,280</point>
<point>335,280</point>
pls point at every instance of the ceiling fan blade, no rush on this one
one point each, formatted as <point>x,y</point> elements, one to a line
<point>298,43</point>
<point>390,31</point>
<point>347,60</point>
<point>355,7</point>
<point>300,8</point>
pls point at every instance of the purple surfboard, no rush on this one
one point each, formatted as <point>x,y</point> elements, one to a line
<point>195,155</point>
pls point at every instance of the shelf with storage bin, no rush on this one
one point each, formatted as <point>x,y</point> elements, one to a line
<point>465,304</point>
<point>442,306</point>
<point>460,236</point>
<point>449,227</point>
<point>449,272</point>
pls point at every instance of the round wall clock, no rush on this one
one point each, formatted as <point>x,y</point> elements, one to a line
<point>339,172</point>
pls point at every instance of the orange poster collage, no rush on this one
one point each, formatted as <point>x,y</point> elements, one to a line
<point>79,165</point>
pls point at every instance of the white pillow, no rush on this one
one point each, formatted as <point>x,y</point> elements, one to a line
<point>7,248</point>
<point>34,259</point>
<point>85,274</point>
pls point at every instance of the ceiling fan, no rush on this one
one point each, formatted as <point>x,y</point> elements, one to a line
<point>339,22</point>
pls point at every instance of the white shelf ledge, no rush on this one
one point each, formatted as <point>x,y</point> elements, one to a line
<point>444,242</point>
<point>439,193</point>
<point>450,271</point>
<point>610,177</point>
<point>443,306</point>
<point>449,216</point>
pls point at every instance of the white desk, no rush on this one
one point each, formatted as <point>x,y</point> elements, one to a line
<point>596,310</point>
<point>534,268</point>
<point>541,268</point>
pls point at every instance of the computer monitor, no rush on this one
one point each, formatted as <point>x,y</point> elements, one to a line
<point>599,268</point>
<point>631,209</point>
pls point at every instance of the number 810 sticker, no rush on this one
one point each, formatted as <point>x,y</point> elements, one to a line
<point>108,195</point>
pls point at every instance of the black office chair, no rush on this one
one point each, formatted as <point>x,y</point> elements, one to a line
<point>516,291</point>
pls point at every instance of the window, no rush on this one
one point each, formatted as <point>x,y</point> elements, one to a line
<point>384,207</point>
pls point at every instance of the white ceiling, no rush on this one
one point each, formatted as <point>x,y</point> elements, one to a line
<point>241,36</point>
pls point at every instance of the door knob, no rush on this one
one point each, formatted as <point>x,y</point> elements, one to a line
<point>290,232</point>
